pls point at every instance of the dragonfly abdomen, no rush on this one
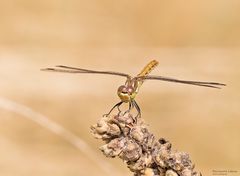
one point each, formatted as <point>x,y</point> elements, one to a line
<point>148,68</point>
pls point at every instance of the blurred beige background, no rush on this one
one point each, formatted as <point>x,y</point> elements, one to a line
<point>196,40</point>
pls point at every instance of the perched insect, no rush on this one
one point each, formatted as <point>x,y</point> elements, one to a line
<point>129,90</point>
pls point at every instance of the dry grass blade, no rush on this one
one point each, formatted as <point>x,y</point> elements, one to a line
<point>59,130</point>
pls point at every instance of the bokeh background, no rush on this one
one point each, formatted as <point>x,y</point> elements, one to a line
<point>195,40</point>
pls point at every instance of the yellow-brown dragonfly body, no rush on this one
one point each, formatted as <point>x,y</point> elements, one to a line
<point>129,90</point>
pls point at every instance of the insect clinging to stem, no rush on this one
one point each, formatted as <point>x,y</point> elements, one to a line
<point>129,90</point>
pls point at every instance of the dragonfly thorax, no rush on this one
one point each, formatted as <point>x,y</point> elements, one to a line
<point>126,93</point>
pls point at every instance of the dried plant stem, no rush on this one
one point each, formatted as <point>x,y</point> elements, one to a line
<point>59,130</point>
<point>144,155</point>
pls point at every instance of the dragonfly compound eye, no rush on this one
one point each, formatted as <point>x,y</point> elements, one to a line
<point>122,89</point>
<point>130,89</point>
<point>123,93</point>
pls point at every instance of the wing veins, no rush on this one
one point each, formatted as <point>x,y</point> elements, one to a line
<point>197,83</point>
<point>66,69</point>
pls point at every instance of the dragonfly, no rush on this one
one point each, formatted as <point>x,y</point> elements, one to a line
<point>128,91</point>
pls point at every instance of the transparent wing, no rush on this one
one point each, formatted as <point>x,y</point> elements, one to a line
<point>66,69</point>
<point>196,83</point>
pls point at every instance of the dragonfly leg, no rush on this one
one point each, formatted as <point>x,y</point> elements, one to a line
<point>129,108</point>
<point>137,108</point>
<point>116,105</point>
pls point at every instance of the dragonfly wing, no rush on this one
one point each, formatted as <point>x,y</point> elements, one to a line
<point>66,69</point>
<point>196,83</point>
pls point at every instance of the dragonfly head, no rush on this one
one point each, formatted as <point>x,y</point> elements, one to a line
<point>126,93</point>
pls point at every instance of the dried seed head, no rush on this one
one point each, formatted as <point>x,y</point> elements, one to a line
<point>150,172</point>
<point>171,173</point>
<point>160,162</point>
<point>186,172</point>
<point>142,163</point>
<point>114,147</point>
<point>149,142</point>
<point>113,130</point>
<point>162,141</point>
<point>123,119</point>
<point>137,133</point>
<point>131,152</point>
<point>105,130</point>
<point>144,155</point>
<point>162,155</point>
